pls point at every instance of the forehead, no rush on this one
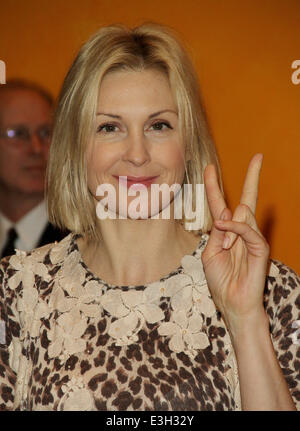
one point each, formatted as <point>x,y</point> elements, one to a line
<point>122,89</point>
<point>23,106</point>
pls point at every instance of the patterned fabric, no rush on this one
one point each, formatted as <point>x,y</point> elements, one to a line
<point>70,341</point>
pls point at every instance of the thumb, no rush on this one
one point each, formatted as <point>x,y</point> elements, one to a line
<point>216,238</point>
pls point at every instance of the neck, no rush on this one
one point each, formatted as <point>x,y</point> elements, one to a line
<point>16,205</point>
<point>136,252</point>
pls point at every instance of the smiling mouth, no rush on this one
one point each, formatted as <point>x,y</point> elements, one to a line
<point>146,181</point>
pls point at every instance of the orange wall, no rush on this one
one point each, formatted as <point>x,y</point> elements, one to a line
<point>243,51</point>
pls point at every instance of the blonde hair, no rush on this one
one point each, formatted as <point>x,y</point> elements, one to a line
<point>116,47</point>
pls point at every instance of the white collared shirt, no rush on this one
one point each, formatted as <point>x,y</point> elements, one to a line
<point>29,228</point>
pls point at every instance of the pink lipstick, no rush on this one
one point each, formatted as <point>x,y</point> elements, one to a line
<point>135,181</point>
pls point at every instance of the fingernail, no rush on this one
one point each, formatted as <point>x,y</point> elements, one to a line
<point>226,242</point>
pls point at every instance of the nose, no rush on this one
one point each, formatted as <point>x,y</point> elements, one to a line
<point>137,151</point>
<point>36,144</point>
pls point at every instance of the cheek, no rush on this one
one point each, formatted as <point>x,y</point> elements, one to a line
<point>46,152</point>
<point>98,164</point>
<point>172,159</point>
<point>10,164</point>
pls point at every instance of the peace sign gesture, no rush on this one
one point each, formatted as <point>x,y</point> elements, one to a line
<point>236,272</point>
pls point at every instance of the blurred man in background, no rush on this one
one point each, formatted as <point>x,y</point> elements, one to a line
<point>25,132</point>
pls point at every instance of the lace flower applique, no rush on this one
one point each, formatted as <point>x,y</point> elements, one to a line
<point>132,310</point>
<point>76,396</point>
<point>185,333</point>
<point>30,305</point>
<point>65,336</point>
<point>59,251</point>
<point>190,299</point>
<point>26,268</point>
<point>77,302</point>
<point>85,299</point>
<point>31,309</point>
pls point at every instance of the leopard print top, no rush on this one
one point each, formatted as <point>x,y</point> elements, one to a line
<point>70,341</point>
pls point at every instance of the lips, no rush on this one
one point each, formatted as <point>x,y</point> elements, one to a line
<point>146,181</point>
<point>139,179</point>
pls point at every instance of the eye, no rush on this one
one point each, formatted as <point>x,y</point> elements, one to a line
<point>45,133</point>
<point>18,133</point>
<point>161,125</point>
<point>107,128</point>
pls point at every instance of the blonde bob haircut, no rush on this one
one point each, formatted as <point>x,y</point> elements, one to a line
<point>112,48</point>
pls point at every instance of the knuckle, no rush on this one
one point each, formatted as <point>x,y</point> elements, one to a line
<point>265,245</point>
<point>242,212</point>
<point>245,209</point>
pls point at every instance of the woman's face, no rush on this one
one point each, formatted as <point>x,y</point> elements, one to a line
<point>136,135</point>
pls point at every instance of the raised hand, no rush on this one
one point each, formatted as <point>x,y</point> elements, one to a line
<point>236,272</point>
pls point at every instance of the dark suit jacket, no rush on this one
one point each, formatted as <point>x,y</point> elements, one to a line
<point>51,234</point>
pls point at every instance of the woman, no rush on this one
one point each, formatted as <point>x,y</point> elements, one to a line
<point>133,311</point>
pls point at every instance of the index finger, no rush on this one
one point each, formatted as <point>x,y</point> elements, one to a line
<point>214,195</point>
<point>250,188</point>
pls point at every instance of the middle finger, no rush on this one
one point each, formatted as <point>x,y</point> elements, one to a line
<point>250,188</point>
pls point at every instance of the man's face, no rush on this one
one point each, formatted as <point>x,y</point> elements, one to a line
<point>23,163</point>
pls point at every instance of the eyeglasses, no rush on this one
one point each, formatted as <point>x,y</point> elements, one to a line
<point>22,135</point>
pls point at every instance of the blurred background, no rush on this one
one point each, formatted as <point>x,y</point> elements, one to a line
<point>243,52</point>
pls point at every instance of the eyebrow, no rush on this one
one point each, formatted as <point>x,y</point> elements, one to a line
<point>150,116</point>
